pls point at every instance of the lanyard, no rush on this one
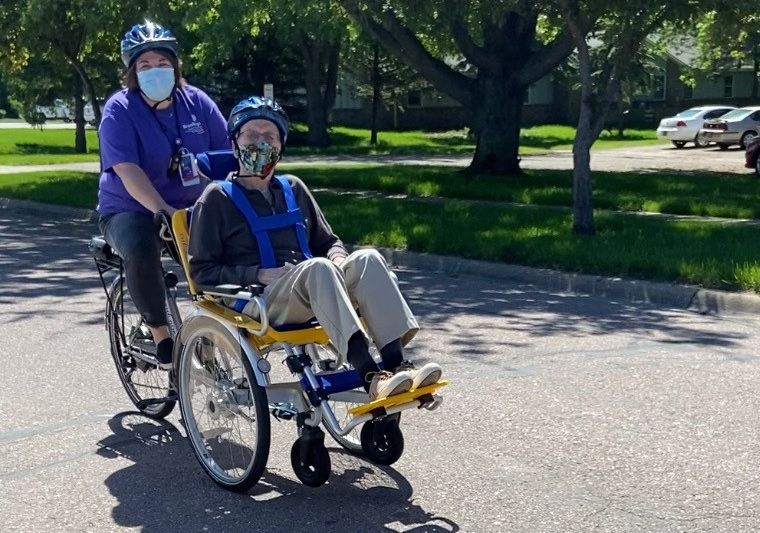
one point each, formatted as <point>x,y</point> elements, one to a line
<point>176,143</point>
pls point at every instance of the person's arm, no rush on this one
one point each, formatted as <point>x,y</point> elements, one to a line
<point>120,152</point>
<point>140,187</point>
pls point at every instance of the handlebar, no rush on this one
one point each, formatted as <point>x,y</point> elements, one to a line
<point>162,220</point>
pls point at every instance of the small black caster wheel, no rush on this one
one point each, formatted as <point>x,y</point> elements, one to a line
<point>382,441</point>
<point>311,461</point>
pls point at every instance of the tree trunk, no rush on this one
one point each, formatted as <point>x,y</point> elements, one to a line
<point>93,99</point>
<point>496,125</point>
<point>316,118</point>
<point>88,86</point>
<point>583,210</point>
<point>375,92</point>
<point>755,70</point>
<point>320,61</point>
<point>80,140</point>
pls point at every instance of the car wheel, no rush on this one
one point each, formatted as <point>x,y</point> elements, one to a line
<point>723,146</point>
<point>679,144</point>
<point>757,165</point>
<point>700,142</point>
<point>747,138</point>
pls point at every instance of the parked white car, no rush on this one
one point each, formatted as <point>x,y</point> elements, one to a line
<point>740,126</point>
<point>89,115</point>
<point>685,126</point>
<point>59,109</point>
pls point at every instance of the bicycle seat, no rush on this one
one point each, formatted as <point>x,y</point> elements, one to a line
<point>100,249</point>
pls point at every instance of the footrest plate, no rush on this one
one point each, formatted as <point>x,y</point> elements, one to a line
<point>397,399</point>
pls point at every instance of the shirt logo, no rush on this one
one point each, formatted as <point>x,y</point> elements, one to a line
<point>194,127</point>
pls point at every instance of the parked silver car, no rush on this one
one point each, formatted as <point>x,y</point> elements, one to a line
<point>685,126</point>
<point>739,126</point>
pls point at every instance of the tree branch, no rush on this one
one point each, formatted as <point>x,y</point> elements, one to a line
<point>400,41</point>
<point>546,59</point>
<point>477,55</point>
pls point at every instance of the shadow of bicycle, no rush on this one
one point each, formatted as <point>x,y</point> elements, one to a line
<point>162,488</point>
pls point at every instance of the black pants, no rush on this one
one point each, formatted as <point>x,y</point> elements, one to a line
<point>135,238</point>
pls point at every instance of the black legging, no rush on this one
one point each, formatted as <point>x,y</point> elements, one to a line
<point>135,238</point>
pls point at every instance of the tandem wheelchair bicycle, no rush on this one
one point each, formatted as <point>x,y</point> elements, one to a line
<point>221,372</point>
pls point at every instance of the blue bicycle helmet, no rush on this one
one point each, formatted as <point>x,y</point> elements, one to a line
<point>258,107</point>
<point>144,37</point>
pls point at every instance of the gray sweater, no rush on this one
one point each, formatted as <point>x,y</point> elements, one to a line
<point>223,250</point>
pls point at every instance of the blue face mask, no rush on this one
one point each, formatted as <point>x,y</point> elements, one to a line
<point>156,83</point>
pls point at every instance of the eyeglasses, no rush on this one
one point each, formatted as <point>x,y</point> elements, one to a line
<point>253,137</point>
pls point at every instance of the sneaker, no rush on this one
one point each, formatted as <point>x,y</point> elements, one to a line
<point>164,354</point>
<point>422,377</point>
<point>386,384</point>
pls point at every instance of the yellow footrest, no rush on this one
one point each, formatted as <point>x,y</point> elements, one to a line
<point>397,399</point>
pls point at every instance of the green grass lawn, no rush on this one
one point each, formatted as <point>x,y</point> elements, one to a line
<point>714,255</point>
<point>34,147</point>
<point>687,193</point>
<point>75,189</point>
<point>706,253</point>
<point>536,139</point>
<point>27,147</point>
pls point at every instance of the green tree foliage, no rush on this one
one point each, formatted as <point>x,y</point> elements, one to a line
<point>507,47</point>
<point>316,31</point>
<point>72,42</point>
<point>729,37</point>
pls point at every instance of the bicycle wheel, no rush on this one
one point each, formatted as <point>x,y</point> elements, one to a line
<point>225,411</point>
<point>127,334</point>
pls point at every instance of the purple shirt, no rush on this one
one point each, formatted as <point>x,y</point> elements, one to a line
<point>131,132</point>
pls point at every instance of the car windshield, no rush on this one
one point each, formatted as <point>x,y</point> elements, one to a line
<point>689,113</point>
<point>736,114</point>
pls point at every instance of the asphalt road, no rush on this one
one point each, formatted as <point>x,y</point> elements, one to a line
<point>565,414</point>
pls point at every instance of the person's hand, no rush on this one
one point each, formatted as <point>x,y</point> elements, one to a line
<point>267,276</point>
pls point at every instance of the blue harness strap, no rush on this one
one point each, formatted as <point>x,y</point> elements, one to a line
<point>295,212</point>
<point>261,225</point>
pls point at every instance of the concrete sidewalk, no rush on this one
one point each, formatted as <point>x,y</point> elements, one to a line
<point>671,295</point>
<point>645,159</point>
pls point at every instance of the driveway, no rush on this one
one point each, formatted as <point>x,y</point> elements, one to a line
<point>652,158</point>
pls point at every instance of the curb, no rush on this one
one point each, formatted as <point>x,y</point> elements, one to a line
<point>38,208</point>
<point>687,297</point>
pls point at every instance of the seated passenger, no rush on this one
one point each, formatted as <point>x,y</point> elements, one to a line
<point>256,227</point>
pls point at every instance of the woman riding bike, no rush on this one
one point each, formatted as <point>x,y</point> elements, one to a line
<point>149,133</point>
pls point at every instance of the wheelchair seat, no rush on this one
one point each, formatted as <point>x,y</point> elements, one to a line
<point>297,334</point>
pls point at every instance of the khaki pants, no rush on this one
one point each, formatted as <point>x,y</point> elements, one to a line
<point>318,288</point>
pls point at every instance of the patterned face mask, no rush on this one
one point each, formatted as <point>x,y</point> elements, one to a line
<point>258,159</point>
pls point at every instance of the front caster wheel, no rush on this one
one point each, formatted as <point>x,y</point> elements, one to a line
<point>310,460</point>
<point>382,441</point>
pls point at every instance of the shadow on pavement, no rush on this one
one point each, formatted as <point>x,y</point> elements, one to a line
<point>164,489</point>
<point>48,261</point>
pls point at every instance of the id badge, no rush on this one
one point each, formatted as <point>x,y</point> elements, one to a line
<point>188,170</point>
